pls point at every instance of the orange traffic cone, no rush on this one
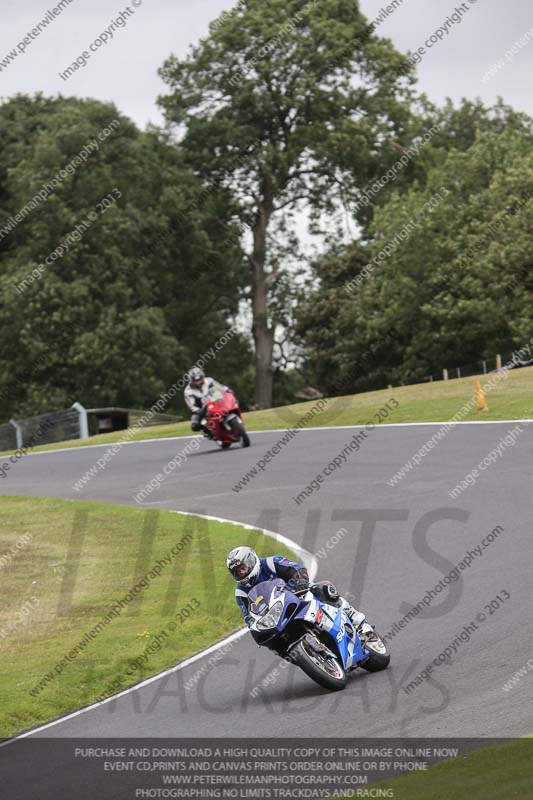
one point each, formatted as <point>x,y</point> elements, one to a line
<point>481,403</point>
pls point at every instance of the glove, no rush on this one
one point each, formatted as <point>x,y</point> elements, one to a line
<point>300,584</point>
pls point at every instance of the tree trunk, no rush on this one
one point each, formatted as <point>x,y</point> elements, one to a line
<point>263,366</point>
<point>263,333</point>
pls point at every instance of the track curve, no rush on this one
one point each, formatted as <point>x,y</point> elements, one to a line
<point>399,541</point>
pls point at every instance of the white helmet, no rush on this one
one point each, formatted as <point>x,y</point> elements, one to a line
<point>244,565</point>
<point>196,377</point>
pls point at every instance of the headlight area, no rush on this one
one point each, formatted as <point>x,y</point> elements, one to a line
<point>271,619</point>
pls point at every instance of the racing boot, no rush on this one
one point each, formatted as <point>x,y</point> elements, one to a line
<point>364,629</point>
<point>367,633</point>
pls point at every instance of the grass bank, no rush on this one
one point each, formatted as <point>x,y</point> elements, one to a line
<point>65,565</point>
<point>502,772</point>
<point>511,398</point>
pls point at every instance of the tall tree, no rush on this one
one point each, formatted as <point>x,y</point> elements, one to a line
<point>286,103</point>
<point>452,279</point>
<point>113,319</point>
<point>460,125</point>
<point>429,135</point>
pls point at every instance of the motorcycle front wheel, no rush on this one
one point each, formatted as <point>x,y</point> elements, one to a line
<point>379,656</point>
<point>239,430</point>
<point>324,670</point>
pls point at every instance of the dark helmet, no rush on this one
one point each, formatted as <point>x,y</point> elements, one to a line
<point>196,377</point>
<point>244,565</point>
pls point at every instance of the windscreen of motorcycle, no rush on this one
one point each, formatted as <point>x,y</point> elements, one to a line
<point>263,594</point>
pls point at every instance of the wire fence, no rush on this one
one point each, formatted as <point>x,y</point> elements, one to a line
<point>481,367</point>
<point>8,437</point>
<point>384,378</point>
<point>56,426</point>
<point>71,423</point>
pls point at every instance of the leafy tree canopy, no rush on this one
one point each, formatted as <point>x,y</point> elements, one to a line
<point>151,284</point>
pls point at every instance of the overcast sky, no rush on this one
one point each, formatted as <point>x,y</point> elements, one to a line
<point>125,70</point>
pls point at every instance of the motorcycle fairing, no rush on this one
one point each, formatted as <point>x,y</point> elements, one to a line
<point>308,608</point>
<point>336,622</point>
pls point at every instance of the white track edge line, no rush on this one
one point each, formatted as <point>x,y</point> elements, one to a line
<point>308,559</point>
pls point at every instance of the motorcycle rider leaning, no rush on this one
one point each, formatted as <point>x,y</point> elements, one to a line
<point>248,570</point>
<point>195,395</point>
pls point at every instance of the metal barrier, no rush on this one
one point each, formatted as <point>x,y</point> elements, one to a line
<point>8,437</point>
<point>55,426</point>
<point>75,422</point>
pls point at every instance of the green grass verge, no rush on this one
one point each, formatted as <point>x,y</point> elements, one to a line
<point>51,599</point>
<point>511,398</point>
<point>501,772</point>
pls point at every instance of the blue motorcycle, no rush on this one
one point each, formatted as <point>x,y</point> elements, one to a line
<point>316,636</point>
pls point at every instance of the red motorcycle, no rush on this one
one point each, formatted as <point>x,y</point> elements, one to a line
<point>224,419</point>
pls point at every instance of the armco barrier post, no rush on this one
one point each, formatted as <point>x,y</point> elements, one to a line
<point>18,433</point>
<point>84,425</point>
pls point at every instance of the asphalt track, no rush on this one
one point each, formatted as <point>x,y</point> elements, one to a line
<point>419,533</point>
